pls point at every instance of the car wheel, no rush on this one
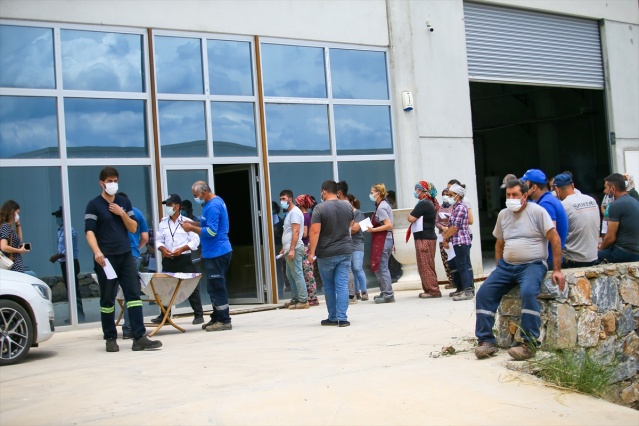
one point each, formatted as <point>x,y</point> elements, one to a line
<point>16,332</point>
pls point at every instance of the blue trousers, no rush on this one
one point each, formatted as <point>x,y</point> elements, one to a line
<point>334,272</point>
<point>503,279</point>
<point>462,267</point>
<point>216,268</point>
<point>614,254</point>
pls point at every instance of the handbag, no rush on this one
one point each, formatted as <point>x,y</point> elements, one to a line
<point>6,262</point>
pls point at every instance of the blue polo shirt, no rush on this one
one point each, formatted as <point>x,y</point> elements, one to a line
<point>134,238</point>
<point>109,229</point>
<point>558,214</point>
<point>215,229</point>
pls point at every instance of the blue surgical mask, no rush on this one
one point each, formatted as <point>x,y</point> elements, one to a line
<point>184,213</point>
<point>199,201</point>
<point>284,204</point>
<point>416,194</point>
<point>58,221</point>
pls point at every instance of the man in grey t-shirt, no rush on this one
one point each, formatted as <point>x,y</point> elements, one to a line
<point>522,230</point>
<point>583,223</point>
<point>293,250</point>
<point>330,240</point>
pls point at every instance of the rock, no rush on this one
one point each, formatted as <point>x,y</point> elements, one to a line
<point>561,330</point>
<point>605,352</point>
<point>59,293</point>
<point>593,272</point>
<point>611,270</point>
<point>631,345</point>
<point>551,291</point>
<point>630,394</point>
<point>609,322</point>
<point>635,313</point>
<point>522,367</point>
<point>629,290</point>
<point>605,294</point>
<point>580,292</point>
<point>510,306</point>
<point>602,335</point>
<point>633,271</point>
<point>588,327</point>
<point>626,322</point>
<point>579,273</point>
<point>503,335</point>
<point>624,370</point>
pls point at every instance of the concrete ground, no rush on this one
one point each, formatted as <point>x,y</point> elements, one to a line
<point>281,367</point>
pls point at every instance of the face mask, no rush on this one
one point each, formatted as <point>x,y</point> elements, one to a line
<point>169,210</point>
<point>284,204</point>
<point>372,197</point>
<point>199,201</point>
<point>415,194</point>
<point>58,221</point>
<point>514,204</point>
<point>184,213</point>
<point>111,188</point>
<point>16,218</point>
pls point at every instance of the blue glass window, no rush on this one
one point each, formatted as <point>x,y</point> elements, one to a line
<point>363,129</point>
<point>182,129</point>
<point>358,74</point>
<point>230,70</point>
<point>233,129</point>
<point>105,128</point>
<point>178,65</point>
<point>102,61</point>
<point>26,57</point>
<point>297,129</point>
<point>361,175</point>
<point>293,71</point>
<point>28,127</point>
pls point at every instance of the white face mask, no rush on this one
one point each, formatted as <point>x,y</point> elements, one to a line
<point>16,218</point>
<point>111,188</point>
<point>514,204</point>
<point>169,210</point>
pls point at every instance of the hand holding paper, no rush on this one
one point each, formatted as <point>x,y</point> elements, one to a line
<point>108,270</point>
<point>365,224</point>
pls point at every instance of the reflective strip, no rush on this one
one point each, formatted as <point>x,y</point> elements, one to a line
<point>211,233</point>
<point>133,303</point>
<point>530,312</point>
<point>481,311</point>
<point>90,217</point>
<point>131,213</point>
<point>107,310</point>
<point>221,308</point>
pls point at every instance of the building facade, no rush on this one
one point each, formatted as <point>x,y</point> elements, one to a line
<point>259,96</point>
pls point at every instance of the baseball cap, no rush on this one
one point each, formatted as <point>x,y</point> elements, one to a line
<point>563,179</point>
<point>506,179</point>
<point>173,199</point>
<point>57,213</point>
<point>535,176</point>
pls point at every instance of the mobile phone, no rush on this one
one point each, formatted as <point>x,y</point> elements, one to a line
<point>27,246</point>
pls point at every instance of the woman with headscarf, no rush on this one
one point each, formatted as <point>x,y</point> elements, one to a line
<point>426,239</point>
<point>305,202</point>
<point>381,242</point>
<point>458,235</point>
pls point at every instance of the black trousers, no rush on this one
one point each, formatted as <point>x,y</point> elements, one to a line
<point>78,297</point>
<point>184,263</point>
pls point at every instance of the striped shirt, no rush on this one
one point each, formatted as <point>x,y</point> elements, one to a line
<point>459,219</point>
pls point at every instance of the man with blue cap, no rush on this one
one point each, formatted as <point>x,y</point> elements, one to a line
<point>538,192</point>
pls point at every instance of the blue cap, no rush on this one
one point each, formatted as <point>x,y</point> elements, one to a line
<point>535,176</point>
<point>562,179</point>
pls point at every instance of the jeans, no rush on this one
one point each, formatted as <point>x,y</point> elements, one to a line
<point>566,264</point>
<point>463,266</point>
<point>126,326</point>
<point>295,276</point>
<point>503,279</point>
<point>383,273</point>
<point>216,268</point>
<point>124,266</point>
<point>334,272</point>
<point>78,297</point>
<point>614,254</point>
<point>357,262</point>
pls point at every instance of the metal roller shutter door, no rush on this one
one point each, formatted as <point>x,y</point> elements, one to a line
<point>513,45</point>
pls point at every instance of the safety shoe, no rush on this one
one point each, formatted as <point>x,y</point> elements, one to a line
<point>112,345</point>
<point>159,318</point>
<point>219,326</point>
<point>464,295</point>
<point>328,322</point>
<point>144,343</point>
<point>343,323</point>
<point>358,296</point>
<point>289,303</point>
<point>352,300</point>
<point>385,299</point>
<point>429,296</point>
<point>453,293</point>
<point>300,305</point>
<point>485,350</point>
<point>522,351</point>
<point>198,320</point>
<point>364,297</point>
<point>211,322</point>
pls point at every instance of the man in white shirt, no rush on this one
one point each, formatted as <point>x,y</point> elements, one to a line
<point>176,245</point>
<point>293,250</point>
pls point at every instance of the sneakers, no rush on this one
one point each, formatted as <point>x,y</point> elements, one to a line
<point>158,319</point>
<point>338,323</point>
<point>449,286</point>
<point>219,326</point>
<point>383,299</point>
<point>112,345</point>
<point>300,305</point>
<point>429,296</point>
<point>211,322</point>
<point>358,296</point>
<point>314,302</point>
<point>328,322</point>
<point>522,351</point>
<point>352,300</point>
<point>343,323</point>
<point>485,350</point>
<point>364,297</point>
<point>197,320</point>
<point>289,303</point>
<point>467,294</point>
<point>453,293</point>
<point>144,343</point>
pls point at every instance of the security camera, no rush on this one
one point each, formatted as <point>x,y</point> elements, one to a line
<point>429,26</point>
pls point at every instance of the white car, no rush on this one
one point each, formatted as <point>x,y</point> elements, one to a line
<point>26,315</point>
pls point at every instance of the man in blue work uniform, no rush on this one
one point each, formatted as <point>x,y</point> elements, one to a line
<point>216,252</point>
<point>107,222</point>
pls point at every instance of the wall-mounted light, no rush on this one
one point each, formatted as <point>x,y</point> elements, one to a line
<point>407,101</point>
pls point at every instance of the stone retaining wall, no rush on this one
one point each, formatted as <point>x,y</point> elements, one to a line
<point>597,313</point>
<point>88,287</point>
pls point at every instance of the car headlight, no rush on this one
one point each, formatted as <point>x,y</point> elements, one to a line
<point>43,290</point>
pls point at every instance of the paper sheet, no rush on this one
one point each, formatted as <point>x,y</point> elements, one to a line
<point>108,270</point>
<point>365,224</point>
<point>417,226</point>
<point>449,251</point>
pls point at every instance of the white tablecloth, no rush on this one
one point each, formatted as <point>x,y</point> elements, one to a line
<point>165,283</point>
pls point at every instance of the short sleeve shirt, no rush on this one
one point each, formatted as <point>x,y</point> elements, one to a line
<point>625,210</point>
<point>335,216</point>
<point>293,216</point>
<point>426,210</point>
<point>383,212</point>
<point>558,214</point>
<point>583,228</point>
<point>358,237</point>
<point>6,233</point>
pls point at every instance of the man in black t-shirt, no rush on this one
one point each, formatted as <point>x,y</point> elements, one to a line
<point>107,221</point>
